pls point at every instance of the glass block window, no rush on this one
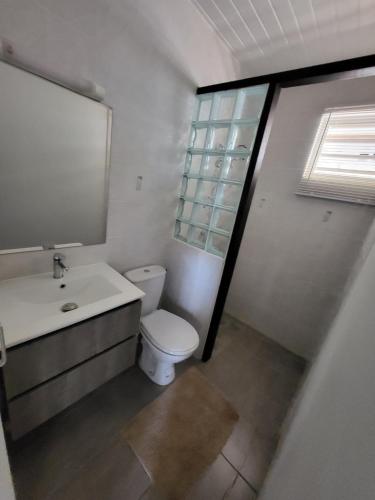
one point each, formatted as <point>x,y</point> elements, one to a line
<point>222,136</point>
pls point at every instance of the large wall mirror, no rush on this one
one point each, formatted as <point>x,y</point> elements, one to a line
<point>54,161</point>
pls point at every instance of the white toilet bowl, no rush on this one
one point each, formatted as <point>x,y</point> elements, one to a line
<point>167,339</point>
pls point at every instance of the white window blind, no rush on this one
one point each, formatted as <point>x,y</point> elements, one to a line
<point>341,164</point>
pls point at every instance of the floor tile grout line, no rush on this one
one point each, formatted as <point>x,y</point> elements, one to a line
<point>230,487</point>
<point>239,473</point>
<point>248,483</point>
<point>147,490</point>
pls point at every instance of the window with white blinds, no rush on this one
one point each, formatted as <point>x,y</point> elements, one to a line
<point>341,164</point>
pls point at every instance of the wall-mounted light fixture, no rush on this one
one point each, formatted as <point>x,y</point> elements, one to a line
<point>80,85</point>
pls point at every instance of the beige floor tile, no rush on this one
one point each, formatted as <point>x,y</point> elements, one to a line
<point>260,379</point>
<point>216,481</point>
<point>250,451</point>
<point>114,474</point>
<point>240,491</point>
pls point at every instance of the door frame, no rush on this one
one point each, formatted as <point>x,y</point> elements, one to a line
<point>339,70</point>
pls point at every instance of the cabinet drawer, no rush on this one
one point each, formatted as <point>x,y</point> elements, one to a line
<point>35,362</point>
<point>35,407</point>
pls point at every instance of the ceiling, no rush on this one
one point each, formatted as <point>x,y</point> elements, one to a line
<point>274,35</point>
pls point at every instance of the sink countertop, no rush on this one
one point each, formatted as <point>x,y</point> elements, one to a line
<point>30,306</point>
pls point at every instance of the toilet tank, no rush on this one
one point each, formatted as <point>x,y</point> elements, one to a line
<point>150,280</point>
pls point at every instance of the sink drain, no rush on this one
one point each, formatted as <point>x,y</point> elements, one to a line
<point>69,306</point>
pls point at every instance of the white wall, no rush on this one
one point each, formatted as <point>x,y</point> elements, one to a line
<point>297,252</point>
<point>328,452</point>
<point>193,279</point>
<point>150,56</point>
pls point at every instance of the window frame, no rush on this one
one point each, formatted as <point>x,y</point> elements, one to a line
<point>351,188</point>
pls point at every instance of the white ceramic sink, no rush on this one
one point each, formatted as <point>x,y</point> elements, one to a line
<point>31,306</point>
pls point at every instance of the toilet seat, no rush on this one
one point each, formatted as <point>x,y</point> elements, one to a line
<point>169,333</point>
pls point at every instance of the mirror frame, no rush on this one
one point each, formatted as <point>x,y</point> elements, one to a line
<point>107,166</point>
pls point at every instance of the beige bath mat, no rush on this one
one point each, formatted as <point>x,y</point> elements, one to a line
<point>180,434</point>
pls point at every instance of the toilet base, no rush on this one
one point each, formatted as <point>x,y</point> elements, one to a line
<point>159,371</point>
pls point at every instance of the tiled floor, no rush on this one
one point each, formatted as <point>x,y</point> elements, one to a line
<point>80,454</point>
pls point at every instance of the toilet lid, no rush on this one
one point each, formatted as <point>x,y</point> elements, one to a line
<point>169,332</point>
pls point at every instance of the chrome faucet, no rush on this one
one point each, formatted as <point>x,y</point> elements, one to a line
<point>58,266</point>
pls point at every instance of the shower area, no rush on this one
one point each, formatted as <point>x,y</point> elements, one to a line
<point>310,222</point>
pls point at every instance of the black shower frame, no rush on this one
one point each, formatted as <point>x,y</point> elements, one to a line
<point>338,70</point>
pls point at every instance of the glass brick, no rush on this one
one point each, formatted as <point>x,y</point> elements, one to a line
<point>198,237</point>
<point>185,209</point>
<point>191,188</point>
<point>219,138</point>
<point>204,109</point>
<point>183,186</point>
<point>218,244</point>
<point>181,231</point>
<point>202,214</point>
<point>198,137</point>
<point>251,102</point>
<point>211,166</point>
<point>243,137</point>
<point>193,164</point>
<point>229,195</point>
<point>207,191</point>
<point>225,106</point>
<point>223,219</point>
<point>235,168</point>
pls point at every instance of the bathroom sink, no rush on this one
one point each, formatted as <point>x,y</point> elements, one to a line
<point>85,290</point>
<point>31,306</point>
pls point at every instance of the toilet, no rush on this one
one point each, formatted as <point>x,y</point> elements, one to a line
<point>167,339</point>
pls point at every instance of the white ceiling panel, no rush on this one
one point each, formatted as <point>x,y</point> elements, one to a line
<point>272,35</point>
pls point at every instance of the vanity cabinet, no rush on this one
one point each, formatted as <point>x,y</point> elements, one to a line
<point>44,376</point>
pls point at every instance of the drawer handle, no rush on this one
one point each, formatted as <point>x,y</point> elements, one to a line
<point>3,349</point>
